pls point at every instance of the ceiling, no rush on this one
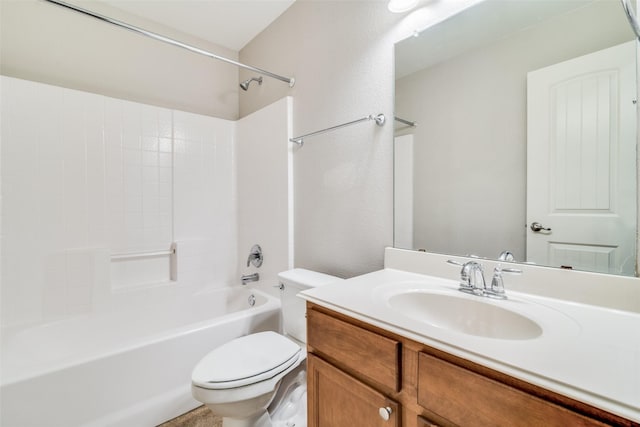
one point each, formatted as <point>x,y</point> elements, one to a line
<point>229,23</point>
<point>483,24</point>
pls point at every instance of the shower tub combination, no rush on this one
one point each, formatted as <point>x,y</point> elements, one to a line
<point>125,367</point>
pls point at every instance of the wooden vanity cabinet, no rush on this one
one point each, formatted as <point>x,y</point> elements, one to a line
<point>359,374</point>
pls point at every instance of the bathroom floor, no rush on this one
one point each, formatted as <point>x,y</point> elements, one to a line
<point>199,417</point>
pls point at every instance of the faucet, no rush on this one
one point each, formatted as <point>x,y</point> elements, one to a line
<point>250,278</point>
<point>472,279</point>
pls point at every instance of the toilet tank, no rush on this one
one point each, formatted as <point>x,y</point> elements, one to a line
<point>294,308</point>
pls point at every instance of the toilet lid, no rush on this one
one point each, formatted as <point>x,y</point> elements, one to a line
<point>246,360</point>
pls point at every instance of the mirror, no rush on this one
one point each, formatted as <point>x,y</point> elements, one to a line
<point>525,138</point>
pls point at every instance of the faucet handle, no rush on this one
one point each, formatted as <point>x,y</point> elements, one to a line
<point>497,283</point>
<point>506,256</point>
<point>255,256</point>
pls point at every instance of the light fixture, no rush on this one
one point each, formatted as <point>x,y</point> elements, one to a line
<point>401,6</point>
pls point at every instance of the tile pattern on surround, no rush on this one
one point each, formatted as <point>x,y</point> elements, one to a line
<point>84,176</point>
<point>199,417</point>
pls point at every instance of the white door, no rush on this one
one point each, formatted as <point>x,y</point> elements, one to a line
<point>581,157</point>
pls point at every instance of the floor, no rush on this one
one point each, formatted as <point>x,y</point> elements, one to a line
<point>199,417</point>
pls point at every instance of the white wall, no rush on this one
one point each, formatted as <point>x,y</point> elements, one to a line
<point>85,176</point>
<point>43,42</point>
<point>265,190</point>
<point>341,54</point>
<point>343,180</point>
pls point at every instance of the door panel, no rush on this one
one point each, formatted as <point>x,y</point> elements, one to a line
<point>339,400</point>
<point>581,143</point>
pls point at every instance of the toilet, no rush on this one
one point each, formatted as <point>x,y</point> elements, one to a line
<point>239,380</point>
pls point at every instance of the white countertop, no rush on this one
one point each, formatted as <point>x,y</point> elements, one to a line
<point>585,352</point>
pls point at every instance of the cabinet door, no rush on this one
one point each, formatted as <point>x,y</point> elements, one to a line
<point>339,400</point>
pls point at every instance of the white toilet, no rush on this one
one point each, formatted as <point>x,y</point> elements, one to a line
<point>239,380</point>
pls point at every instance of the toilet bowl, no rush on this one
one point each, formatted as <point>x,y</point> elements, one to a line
<point>239,380</point>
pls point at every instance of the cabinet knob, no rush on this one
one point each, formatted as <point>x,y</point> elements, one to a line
<point>385,413</point>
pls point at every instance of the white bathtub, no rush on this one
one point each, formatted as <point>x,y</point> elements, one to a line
<point>125,367</point>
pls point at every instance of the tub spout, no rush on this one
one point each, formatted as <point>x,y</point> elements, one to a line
<point>250,278</point>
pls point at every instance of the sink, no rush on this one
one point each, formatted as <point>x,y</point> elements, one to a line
<point>466,314</point>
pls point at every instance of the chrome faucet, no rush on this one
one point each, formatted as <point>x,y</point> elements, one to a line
<point>250,278</point>
<point>472,279</point>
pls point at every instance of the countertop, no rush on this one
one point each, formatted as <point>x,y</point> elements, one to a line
<point>586,352</point>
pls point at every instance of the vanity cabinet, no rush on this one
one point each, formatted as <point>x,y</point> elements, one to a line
<point>361,375</point>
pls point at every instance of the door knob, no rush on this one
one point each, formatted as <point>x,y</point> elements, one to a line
<point>385,413</point>
<point>537,227</point>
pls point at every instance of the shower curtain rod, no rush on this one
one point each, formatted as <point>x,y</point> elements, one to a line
<point>290,81</point>
<point>631,17</point>
<point>379,119</point>
<point>406,122</point>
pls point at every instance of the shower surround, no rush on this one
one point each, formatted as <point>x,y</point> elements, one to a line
<point>85,177</point>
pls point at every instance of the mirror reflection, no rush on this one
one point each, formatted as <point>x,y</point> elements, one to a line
<point>526,135</point>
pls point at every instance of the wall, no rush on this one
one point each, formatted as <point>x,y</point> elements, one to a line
<point>471,112</point>
<point>43,42</point>
<point>85,176</point>
<point>265,191</point>
<point>341,54</point>
<point>342,180</point>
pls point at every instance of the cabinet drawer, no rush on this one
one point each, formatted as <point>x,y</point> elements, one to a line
<point>469,399</point>
<point>359,350</point>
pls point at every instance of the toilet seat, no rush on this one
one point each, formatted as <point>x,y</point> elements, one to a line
<point>246,360</point>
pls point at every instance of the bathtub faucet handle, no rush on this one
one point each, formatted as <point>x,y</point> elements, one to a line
<point>255,256</point>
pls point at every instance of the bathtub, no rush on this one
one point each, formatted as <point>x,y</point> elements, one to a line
<point>122,367</point>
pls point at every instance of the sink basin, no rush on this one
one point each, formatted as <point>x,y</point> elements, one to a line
<point>468,315</point>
